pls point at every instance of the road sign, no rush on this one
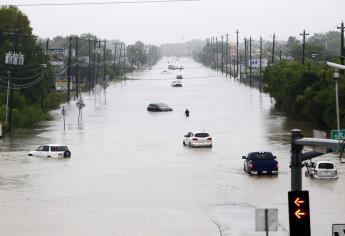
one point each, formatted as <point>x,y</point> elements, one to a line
<point>334,135</point>
<point>266,219</point>
<point>299,213</point>
<point>338,230</point>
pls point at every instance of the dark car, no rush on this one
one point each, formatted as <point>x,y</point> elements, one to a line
<point>260,163</point>
<point>158,107</point>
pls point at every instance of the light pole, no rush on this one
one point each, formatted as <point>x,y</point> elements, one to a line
<point>336,67</point>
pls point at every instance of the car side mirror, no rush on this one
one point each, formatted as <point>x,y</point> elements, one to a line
<point>274,157</point>
<point>244,157</point>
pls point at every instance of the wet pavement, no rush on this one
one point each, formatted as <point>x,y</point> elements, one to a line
<point>130,174</point>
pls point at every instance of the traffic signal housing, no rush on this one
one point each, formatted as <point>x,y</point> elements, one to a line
<point>299,213</point>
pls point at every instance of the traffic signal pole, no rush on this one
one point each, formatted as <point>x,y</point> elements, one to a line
<point>296,162</point>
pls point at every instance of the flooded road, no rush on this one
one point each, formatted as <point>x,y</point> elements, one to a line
<point>130,174</point>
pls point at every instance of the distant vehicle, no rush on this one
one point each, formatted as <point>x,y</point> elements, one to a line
<point>158,107</point>
<point>171,67</point>
<point>321,170</point>
<point>51,150</point>
<point>260,163</point>
<point>164,72</point>
<point>179,77</point>
<point>197,139</point>
<point>176,84</point>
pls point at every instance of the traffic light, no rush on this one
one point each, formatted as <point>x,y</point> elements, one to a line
<point>299,214</point>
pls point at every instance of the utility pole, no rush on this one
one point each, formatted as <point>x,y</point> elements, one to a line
<point>245,56</point>
<point>250,61</point>
<point>237,58</point>
<point>114,64</point>
<point>273,45</point>
<point>120,53</point>
<point>303,46</point>
<point>280,55</point>
<point>69,69</point>
<point>227,56</point>
<point>76,67</point>
<point>260,62</point>
<point>42,84</point>
<point>342,50</point>
<point>124,61</point>
<point>94,63</point>
<point>89,67</point>
<point>213,56</point>
<point>98,58</point>
<point>222,64</point>
<point>104,60</point>
<point>217,54</point>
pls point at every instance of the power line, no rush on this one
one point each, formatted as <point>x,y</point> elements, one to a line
<point>98,3</point>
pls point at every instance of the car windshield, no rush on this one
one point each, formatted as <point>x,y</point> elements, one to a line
<point>163,105</point>
<point>261,155</point>
<point>201,135</point>
<point>58,148</point>
<point>326,166</point>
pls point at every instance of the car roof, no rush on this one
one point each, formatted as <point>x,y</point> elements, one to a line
<point>324,162</point>
<point>54,144</point>
<point>198,131</point>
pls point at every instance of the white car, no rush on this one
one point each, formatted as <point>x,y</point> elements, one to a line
<point>51,150</point>
<point>322,170</point>
<point>176,83</point>
<point>197,139</point>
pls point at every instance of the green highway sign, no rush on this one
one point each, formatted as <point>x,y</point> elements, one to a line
<point>334,133</point>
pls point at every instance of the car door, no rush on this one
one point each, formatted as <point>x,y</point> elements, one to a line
<point>45,151</point>
<point>189,138</point>
<point>39,151</point>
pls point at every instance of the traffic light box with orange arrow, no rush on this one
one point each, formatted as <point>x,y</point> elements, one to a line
<point>299,214</point>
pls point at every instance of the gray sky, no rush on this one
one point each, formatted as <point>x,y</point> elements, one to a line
<point>159,23</point>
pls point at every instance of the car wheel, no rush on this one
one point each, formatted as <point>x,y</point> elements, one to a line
<point>184,143</point>
<point>190,145</point>
<point>67,154</point>
<point>49,156</point>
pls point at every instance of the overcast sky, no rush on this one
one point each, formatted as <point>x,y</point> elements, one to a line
<point>159,23</point>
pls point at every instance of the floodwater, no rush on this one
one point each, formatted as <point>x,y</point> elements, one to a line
<point>130,174</point>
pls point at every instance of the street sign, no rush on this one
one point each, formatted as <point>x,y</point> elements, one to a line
<point>266,219</point>
<point>334,135</point>
<point>299,213</point>
<point>338,230</point>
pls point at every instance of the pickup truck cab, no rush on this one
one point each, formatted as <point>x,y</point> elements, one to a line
<point>260,163</point>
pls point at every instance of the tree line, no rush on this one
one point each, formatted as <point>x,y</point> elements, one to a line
<point>28,89</point>
<point>293,72</point>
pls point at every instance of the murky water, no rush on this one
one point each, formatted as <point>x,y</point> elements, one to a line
<point>130,174</point>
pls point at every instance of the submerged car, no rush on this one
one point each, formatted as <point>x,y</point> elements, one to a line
<point>197,139</point>
<point>176,84</point>
<point>260,163</point>
<point>158,107</point>
<point>322,170</point>
<point>51,150</point>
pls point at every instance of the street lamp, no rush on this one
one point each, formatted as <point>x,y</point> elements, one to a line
<point>336,67</point>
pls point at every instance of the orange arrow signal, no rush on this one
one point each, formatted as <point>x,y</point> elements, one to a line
<point>298,202</point>
<point>299,213</point>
